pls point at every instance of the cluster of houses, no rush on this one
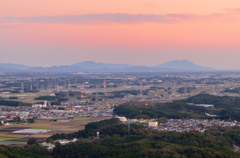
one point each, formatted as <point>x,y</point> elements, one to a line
<point>8,115</point>
<point>149,123</point>
<point>51,146</point>
<point>93,111</point>
<point>187,125</point>
<point>180,125</point>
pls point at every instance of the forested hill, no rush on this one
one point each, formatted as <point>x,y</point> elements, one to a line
<point>175,110</point>
<point>217,101</point>
<point>227,108</point>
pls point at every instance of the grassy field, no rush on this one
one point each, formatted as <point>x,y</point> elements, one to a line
<point>1,127</point>
<point>32,101</point>
<point>7,142</point>
<point>10,136</point>
<point>39,124</point>
<point>81,118</point>
<point>102,105</point>
<point>29,97</point>
<point>44,128</point>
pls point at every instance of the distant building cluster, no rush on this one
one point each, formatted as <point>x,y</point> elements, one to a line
<point>180,125</point>
<point>8,115</point>
<point>42,105</point>
<point>187,125</point>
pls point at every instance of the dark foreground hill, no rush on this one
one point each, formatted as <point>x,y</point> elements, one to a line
<point>141,142</point>
<point>115,141</point>
<point>18,152</point>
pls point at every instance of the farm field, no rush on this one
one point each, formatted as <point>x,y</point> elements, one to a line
<point>7,137</point>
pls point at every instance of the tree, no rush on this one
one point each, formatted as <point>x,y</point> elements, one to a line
<point>31,120</point>
<point>162,120</point>
<point>17,119</point>
<point>32,141</point>
<point>50,140</point>
<point>201,125</point>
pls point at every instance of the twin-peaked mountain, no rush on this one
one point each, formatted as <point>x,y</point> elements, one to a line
<point>90,66</point>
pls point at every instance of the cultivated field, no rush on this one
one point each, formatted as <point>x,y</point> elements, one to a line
<point>7,136</point>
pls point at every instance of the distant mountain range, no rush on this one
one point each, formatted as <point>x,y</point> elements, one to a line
<point>90,66</point>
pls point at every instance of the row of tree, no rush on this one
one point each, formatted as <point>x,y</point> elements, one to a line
<point>13,103</point>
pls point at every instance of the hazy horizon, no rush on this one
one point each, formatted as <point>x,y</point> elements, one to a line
<point>101,62</point>
<point>150,33</point>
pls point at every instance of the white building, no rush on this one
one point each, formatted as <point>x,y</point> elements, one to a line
<point>37,105</point>
<point>152,124</point>
<point>203,105</point>
<point>122,119</point>
<point>45,104</point>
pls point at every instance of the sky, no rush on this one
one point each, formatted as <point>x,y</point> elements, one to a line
<point>138,32</point>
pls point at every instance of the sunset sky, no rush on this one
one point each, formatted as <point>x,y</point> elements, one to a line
<point>137,32</point>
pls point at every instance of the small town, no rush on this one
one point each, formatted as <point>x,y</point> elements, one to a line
<point>8,115</point>
<point>187,125</point>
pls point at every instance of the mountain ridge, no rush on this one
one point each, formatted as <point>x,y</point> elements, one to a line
<point>182,64</point>
<point>15,66</point>
<point>90,66</point>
